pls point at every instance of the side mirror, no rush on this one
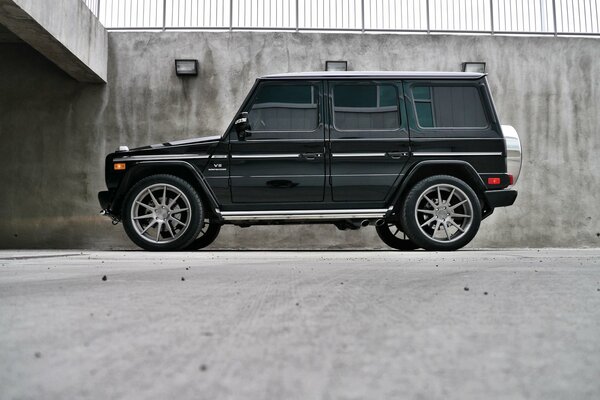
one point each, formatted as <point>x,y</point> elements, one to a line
<point>242,126</point>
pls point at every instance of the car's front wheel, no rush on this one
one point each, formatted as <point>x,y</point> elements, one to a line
<point>391,233</point>
<point>162,213</point>
<point>441,213</point>
<point>208,234</point>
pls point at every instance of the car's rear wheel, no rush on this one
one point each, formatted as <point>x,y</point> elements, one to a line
<point>441,213</point>
<point>391,233</point>
<point>208,234</point>
<point>162,212</point>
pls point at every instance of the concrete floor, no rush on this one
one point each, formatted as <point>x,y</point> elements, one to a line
<point>511,324</point>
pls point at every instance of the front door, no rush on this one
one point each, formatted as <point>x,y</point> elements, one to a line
<point>282,159</point>
<point>369,139</point>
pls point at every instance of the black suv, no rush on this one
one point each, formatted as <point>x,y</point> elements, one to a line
<point>421,156</point>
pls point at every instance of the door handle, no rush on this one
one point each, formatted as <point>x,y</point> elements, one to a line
<point>397,154</point>
<point>311,156</point>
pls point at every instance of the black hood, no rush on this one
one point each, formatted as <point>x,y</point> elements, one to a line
<point>184,142</point>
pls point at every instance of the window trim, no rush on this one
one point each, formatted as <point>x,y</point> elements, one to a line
<point>393,84</point>
<point>429,101</point>
<point>448,128</point>
<point>312,83</point>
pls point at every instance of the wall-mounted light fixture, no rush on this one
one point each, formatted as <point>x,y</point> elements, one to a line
<point>474,66</point>
<point>336,65</point>
<point>186,67</point>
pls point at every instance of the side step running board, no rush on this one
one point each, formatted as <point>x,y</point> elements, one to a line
<point>302,214</point>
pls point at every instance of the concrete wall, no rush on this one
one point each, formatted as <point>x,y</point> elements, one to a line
<point>55,131</point>
<point>64,31</point>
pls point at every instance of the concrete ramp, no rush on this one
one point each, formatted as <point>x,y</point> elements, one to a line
<point>64,31</point>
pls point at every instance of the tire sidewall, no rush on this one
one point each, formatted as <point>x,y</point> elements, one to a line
<point>196,208</point>
<point>411,224</point>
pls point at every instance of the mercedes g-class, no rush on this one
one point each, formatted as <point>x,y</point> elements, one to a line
<point>421,156</point>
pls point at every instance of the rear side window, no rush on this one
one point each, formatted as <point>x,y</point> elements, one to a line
<point>365,107</point>
<point>284,108</point>
<point>449,107</point>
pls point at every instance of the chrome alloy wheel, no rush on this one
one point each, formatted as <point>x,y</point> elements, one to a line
<point>444,213</point>
<point>161,213</point>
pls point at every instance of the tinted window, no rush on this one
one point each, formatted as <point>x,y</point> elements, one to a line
<point>284,108</point>
<point>449,107</point>
<point>365,107</point>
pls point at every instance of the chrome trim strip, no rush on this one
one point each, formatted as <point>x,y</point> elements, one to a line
<point>334,175</point>
<point>161,157</point>
<point>251,156</point>
<point>279,176</point>
<point>252,140</point>
<point>219,156</point>
<point>390,139</point>
<point>301,214</point>
<point>358,154</point>
<point>454,153</point>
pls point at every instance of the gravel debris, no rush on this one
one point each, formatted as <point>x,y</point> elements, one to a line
<point>104,278</point>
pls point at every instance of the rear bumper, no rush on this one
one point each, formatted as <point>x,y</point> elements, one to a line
<point>500,198</point>
<point>105,199</point>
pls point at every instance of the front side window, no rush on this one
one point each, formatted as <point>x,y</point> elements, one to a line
<point>449,107</point>
<point>285,107</point>
<point>365,107</point>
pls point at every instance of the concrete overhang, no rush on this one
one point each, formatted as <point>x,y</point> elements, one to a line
<point>64,31</point>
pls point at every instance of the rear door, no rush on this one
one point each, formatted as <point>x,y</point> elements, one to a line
<point>369,139</point>
<point>282,160</point>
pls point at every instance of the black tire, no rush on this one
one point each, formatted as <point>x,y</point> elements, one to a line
<point>438,202</point>
<point>173,213</point>
<point>208,234</point>
<point>391,234</point>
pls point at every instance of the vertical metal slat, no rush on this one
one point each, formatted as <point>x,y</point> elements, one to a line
<point>554,17</point>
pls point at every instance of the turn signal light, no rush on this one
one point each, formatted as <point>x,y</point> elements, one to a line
<point>119,166</point>
<point>493,181</point>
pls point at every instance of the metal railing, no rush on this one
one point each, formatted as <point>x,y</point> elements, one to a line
<point>545,17</point>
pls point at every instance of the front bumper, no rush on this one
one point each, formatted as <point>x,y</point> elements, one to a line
<point>500,198</point>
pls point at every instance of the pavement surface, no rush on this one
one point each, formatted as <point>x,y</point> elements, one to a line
<point>501,324</point>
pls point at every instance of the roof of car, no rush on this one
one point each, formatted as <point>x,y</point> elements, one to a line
<point>375,75</point>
